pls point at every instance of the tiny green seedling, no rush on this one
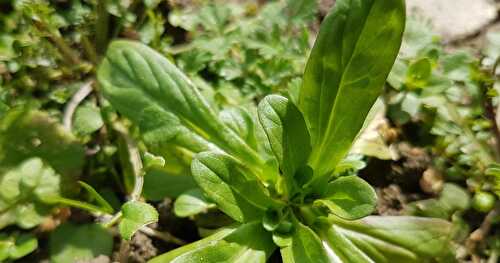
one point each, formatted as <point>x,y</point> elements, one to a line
<point>275,177</point>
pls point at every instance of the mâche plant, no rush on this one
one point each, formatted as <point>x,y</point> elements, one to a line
<point>273,172</point>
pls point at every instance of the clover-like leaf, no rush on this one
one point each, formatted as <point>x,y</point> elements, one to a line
<point>287,134</point>
<point>349,197</point>
<point>135,215</point>
<point>353,54</point>
<point>233,188</point>
<point>25,191</point>
<point>246,243</point>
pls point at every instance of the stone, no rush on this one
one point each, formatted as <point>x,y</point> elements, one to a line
<point>455,19</point>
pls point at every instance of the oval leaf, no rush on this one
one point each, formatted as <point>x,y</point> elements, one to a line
<point>135,215</point>
<point>287,134</point>
<point>349,197</point>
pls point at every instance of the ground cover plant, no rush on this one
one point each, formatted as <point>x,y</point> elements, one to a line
<point>179,131</point>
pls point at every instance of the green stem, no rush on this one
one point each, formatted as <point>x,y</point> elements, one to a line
<point>102,27</point>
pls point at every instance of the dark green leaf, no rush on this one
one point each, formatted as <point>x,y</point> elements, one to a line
<point>353,54</point>
<point>287,134</point>
<point>73,243</point>
<point>234,189</point>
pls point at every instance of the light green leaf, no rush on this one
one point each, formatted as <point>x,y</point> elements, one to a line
<point>25,190</point>
<point>191,203</point>
<point>287,134</point>
<point>388,239</point>
<point>353,54</point>
<point>16,246</point>
<point>87,120</point>
<point>74,243</point>
<point>349,197</point>
<point>135,215</point>
<point>233,188</point>
<point>306,247</point>
<point>247,243</point>
<point>148,89</point>
<point>419,73</point>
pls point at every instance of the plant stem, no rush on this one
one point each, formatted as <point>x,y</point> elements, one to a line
<point>89,50</point>
<point>77,98</point>
<point>102,27</point>
<point>135,161</point>
<point>111,222</point>
<point>67,52</point>
<point>165,236</point>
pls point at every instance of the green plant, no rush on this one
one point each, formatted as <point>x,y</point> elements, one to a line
<point>280,189</point>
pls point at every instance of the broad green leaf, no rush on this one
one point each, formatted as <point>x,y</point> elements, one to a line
<point>26,133</point>
<point>87,120</point>
<point>287,134</point>
<point>160,183</point>
<point>241,122</point>
<point>191,203</point>
<point>76,243</point>
<point>16,246</point>
<point>353,54</point>
<point>247,243</point>
<point>148,89</point>
<point>135,215</point>
<point>387,239</point>
<point>25,190</point>
<point>234,189</point>
<point>306,247</point>
<point>349,197</point>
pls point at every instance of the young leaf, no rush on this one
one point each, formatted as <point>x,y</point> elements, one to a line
<point>287,133</point>
<point>247,243</point>
<point>349,197</point>
<point>191,203</point>
<point>76,243</point>
<point>236,192</point>
<point>388,239</point>
<point>306,247</point>
<point>136,215</point>
<point>87,120</point>
<point>353,54</point>
<point>148,89</point>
